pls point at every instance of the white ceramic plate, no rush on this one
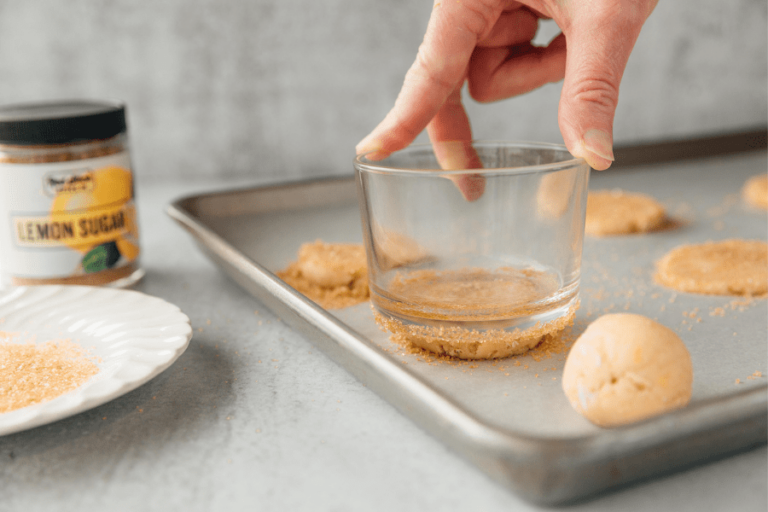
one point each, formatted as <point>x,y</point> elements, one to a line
<point>133,335</point>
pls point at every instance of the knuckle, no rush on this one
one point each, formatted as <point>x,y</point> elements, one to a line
<point>601,92</point>
<point>626,14</point>
<point>480,16</point>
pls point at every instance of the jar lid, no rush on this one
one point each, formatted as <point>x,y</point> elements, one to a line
<point>60,122</point>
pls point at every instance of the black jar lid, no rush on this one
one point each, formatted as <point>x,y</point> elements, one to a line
<point>60,122</point>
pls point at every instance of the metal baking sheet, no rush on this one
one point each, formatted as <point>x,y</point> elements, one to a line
<point>514,422</point>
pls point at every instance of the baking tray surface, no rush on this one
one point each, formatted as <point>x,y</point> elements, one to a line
<point>510,416</point>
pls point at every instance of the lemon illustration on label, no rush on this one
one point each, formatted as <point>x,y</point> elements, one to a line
<point>98,221</point>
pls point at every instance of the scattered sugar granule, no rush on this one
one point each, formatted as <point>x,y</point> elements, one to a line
<point>32,373</point>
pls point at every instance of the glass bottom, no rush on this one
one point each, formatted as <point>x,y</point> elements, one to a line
<point>477,340</point>
<point>541,315</point>
<point>475,298</point>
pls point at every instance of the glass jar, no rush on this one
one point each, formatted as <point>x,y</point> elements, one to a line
<point>66,195</point>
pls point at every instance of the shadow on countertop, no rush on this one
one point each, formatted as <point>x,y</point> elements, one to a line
<point>183,401</point>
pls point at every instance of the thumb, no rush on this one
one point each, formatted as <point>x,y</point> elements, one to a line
<point>599,37</point>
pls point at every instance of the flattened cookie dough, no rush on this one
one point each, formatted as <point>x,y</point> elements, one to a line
<point>333,275</point>
<point>615,212</point>
<point>625,368</point>
<point>755,191</point>
<point>461,343</point>
<point>729,267</point>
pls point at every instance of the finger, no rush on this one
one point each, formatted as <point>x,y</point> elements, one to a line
<point>512,28</point>
<point>599,44</point>
<point>451,136</point>
<point>452,32</point>
<point>498,73</point>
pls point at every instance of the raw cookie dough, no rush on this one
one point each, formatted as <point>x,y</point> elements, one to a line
<point>755,191</point>
<point>729,267</point>
<point>625,368</point>
<point>615,212</point>
<point>333,275</point>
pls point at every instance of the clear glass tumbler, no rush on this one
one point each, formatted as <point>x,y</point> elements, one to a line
<point>506,260</point>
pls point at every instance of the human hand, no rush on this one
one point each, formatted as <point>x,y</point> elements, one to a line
<point>488,44</point>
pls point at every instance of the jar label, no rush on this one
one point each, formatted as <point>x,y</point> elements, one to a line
<point>66,219</point>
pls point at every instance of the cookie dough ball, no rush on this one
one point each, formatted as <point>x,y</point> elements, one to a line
<point>729,267</point>
<point>755,191</point>
<point>615,212</point>
<point>625,368</point>
<point>332,265</point>
<point>332,275</point>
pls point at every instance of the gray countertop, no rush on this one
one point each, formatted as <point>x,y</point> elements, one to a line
<point>252,416</point>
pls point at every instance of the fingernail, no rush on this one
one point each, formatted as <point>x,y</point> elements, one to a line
<point>600,143</point>
<point>371,150</point>
<point>362,148</point>
<point>376,155</point>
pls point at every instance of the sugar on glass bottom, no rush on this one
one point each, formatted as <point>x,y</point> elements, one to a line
<point>474,313</point>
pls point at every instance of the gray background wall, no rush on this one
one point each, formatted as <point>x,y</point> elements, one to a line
<point>279,89</point>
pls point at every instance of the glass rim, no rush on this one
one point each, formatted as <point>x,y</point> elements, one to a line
<point>361,163</point>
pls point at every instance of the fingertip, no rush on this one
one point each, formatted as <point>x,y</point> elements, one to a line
<point>372,149</point>
<point>474,188</point>
<point>598,149</point>
<point>595,161</point>
<point>368,143</point>
<point>599,143</point>
<point>471,186</point>
<point>595,146</point>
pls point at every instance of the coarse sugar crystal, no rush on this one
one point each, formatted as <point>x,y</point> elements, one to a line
<point>32,373</point>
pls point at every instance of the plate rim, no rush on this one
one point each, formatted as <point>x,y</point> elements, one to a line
<point>50,411</point>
